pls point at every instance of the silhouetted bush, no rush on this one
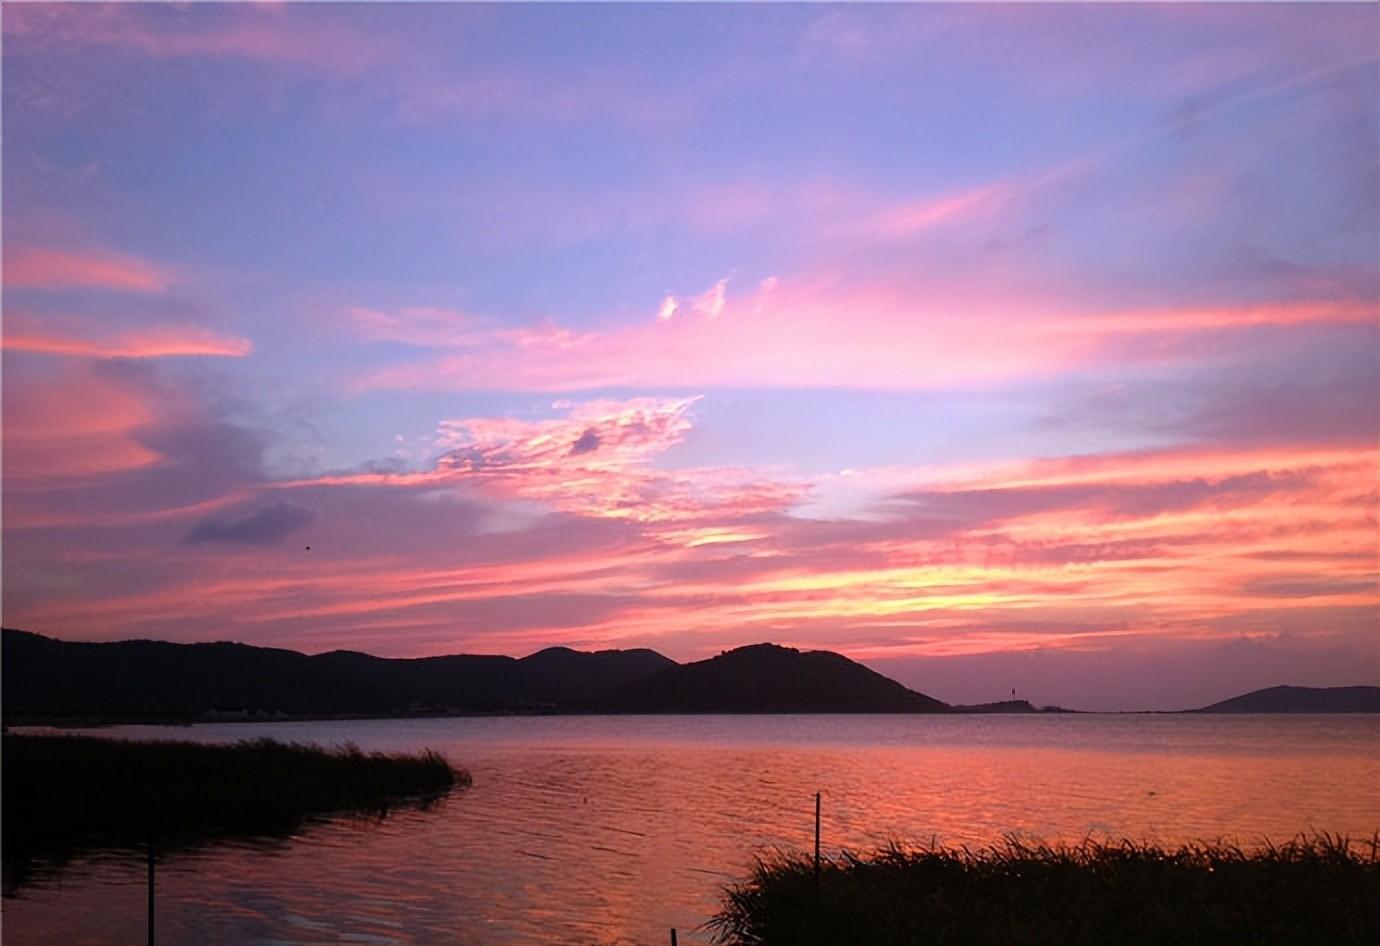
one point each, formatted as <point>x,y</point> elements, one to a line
<point>69,792</point>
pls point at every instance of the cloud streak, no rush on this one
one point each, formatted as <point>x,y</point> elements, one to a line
<point>152,342</point>
<point>829,336</point>
<point>34,267</point>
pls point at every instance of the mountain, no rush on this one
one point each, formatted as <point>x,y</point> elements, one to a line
<point>48,678</point>
<point>766,678</point>
<point>1286,699</point>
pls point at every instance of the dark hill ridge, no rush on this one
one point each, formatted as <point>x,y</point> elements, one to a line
<point>1287,699</point>
<point>50,679</point>
<point>46,678</point>
<point>766,678</point>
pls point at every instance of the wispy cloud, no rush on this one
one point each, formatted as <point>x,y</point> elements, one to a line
<point>414,73</point>
<point>74,422</point>
<point>826,334</point>
<point>423,326</point>
<point>57,268</point>
<point>150,342</point>
<point>253,32</point>
<point>594,461</point>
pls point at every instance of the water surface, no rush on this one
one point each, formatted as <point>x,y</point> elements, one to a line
<point>612,830</point>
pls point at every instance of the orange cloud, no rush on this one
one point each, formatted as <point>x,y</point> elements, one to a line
<point>1190,544</point>
<point>50,268</point>
<point>1072,552</point>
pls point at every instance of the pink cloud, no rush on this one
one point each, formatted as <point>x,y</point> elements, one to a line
<point>253,32</point>
<point>595,461</point>
<point>414,74</point>
<point>1194,318</point>
<point>827,334</point>
<point>908,219</point>
<point>52,268</point>
<point>834,214</point>
<point>426,326</point>
<point>1183,557</point>
<point>434,94</point>
<point>782,336</point>
<point>71,423</point>
<point>150,342</point>
<point>1072,553</point>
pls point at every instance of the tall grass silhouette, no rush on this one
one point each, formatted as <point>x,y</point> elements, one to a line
<point>64,793</point>
<point>1318,889</point>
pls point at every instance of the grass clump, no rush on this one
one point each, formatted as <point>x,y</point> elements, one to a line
<point>1320,889</point>
<point>66,793</point>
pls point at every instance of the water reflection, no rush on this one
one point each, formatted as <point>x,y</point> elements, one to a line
<point>611,831</point>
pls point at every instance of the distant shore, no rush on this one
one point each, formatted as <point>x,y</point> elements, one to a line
<point>16,722</point>
<point>1312,890</point>
<point>47,680</point>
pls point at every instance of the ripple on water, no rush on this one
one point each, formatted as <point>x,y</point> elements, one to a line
<point>587,830</point>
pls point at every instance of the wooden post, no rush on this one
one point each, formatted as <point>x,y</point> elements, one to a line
<point>150,884</point>
<point>817,841</point>
<point>673,936</point>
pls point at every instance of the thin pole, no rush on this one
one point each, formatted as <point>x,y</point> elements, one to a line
<point>817,840</point>
<point>150,891</point>
<point>673,936</point>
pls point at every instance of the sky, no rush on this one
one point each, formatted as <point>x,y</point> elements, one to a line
<point>1029,347</point>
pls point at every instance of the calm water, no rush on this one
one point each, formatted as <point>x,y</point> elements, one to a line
<point>612,830</point>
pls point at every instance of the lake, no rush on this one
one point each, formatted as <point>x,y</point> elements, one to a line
<point>612,830</point>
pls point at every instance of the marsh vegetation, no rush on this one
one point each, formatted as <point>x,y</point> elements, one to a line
<point>1321,889</point>
<point>64,794</point>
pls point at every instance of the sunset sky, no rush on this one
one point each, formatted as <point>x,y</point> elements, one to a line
<point>994,346</point>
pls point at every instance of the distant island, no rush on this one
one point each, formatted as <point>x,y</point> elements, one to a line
<point>1287,699</point>
<point>47,680</point>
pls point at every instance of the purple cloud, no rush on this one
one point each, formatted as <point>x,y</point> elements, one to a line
<point>264,527</point>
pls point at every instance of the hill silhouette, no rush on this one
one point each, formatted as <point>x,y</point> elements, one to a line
<point>1290,699</point>
<point>48,678</point>
<point>767,678</point>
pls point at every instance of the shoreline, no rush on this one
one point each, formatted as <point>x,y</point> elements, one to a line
<point>63,794</point>
<point>60,724</point>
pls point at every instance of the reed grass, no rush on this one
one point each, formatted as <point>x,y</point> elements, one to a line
<point>1319,889</point>
<point>63,792</point>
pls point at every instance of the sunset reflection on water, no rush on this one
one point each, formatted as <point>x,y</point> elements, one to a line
<point>613,830</point>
